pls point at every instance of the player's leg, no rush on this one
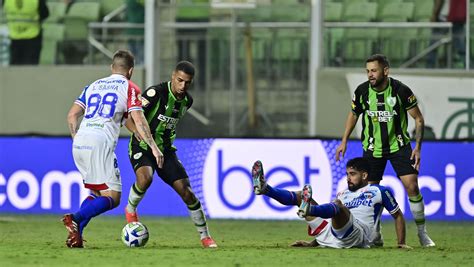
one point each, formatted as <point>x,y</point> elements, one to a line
<point>285,197</point>
<point>96,160</point>
<point>174,174</point>
<point>308,208</point>
<point>409,176</point>
<point>377,169</point>
<point>144,164</point>
<point>196,212</point>
<point>144,178</point>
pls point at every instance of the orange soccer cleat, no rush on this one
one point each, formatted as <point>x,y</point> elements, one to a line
<point>131,216</point>
<point>74,239</point>
<point>208,242</point>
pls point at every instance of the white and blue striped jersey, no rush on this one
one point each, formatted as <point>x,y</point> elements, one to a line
<point>106,104</point>
<point>367,203</point>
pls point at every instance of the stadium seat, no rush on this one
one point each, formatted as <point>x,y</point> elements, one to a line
<point>396,11</point>
<point>107,6</point>
<point>357,45</point>
<point>77,19</point>
<point>57,11</point>
<point>53,35</point>
<point>332,11</point>
<point>359,11</point>
<point>423,10</point>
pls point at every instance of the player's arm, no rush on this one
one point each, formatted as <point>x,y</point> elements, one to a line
<point>73,116</point>
<point>349,127</point>
<point>130,125</point>
<point>415,113</point>
<point>144,131</point>
<point>400,229</point>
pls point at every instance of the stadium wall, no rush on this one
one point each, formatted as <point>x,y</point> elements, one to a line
<point>38,176</point>
<point>36,99</point>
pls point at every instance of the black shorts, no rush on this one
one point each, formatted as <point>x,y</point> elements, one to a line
<point>172,169</point>
<point>400,161</point>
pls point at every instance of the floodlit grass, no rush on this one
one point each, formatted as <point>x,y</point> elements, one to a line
<point>32,240</point>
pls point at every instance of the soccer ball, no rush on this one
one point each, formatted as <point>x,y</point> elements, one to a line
<point>135,234</point>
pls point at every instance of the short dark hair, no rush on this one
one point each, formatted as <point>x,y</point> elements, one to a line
<point>186,67</point>
<point>381,59</point>
<point>123,59</point>
<point>360,164</point>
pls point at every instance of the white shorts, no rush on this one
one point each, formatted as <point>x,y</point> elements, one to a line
<point>355,234</point>
<point>96,161</point>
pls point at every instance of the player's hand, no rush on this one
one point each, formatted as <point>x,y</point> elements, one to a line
<point>158,157</point>
<point>416,155</point>
<point>341,149</point>
<point>302,244</point>
<point>404,246</point>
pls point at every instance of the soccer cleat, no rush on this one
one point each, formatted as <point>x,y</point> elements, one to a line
<point>306,195</point>
<point>378,239</point>
<point>425,240</point>
<point>131,216</point>
<point>258,178</point>
<point>74,239</point>
<point>208,242</point>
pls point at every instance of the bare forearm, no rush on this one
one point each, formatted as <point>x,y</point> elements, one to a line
<point>72,128</point>
<point>400,230</point>
<point>419,131</point>
<point>144,131</point>
<point>349,126</point>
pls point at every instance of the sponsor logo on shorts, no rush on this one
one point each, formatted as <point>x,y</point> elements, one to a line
<point>138,155</point>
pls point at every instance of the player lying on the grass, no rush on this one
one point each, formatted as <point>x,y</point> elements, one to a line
<point>352,215</point>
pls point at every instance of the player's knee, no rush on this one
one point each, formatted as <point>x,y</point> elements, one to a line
<point>116,202</point>
<point>144,181</point>
<point>188,196</point>
<point>338,203</point>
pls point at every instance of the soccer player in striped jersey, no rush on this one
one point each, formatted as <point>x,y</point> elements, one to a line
<point>347,222</point>
<point>384,104</point>
<point>164,105</point>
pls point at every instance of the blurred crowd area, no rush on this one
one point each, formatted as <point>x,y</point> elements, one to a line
<point>69,38</point>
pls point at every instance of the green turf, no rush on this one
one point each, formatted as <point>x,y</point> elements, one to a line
<point>32,240</point>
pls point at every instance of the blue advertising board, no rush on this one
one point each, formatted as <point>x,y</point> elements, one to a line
<point>38,176</point>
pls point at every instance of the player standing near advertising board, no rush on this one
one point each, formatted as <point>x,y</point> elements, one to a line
<point>164,105</point>
<point>384,103</point>
<point>105,104</point>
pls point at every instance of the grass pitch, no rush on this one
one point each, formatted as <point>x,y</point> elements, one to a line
<point>32,240</point>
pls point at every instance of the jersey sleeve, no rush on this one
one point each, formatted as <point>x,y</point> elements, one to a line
<point>388,200</point>
<point>407,97</point>
<point>356,105</point>
<point>81,100</point>
<point>150,97</point>
<point>134,97</point>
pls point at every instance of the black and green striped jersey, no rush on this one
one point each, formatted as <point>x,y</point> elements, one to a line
<point>385,120</point>
<point>163,112</point>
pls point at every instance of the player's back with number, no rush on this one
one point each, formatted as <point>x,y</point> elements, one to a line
<point>106,103</point>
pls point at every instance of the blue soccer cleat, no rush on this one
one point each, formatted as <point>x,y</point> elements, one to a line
<point>306,194</point>
<point>259,183</point>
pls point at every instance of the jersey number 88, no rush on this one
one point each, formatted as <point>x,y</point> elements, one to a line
<point>103,106</point>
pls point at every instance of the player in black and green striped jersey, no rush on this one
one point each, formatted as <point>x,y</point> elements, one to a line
<point>164,105</point>
<point>384,104</point>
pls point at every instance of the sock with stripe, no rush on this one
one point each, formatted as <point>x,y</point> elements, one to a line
<point>417,207</point>
<point>134,197</point>
<point>84,203</point>
<point>325,211</point>
<point>95,207</point>
<point>199,218</point>
<point>283,196</point>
